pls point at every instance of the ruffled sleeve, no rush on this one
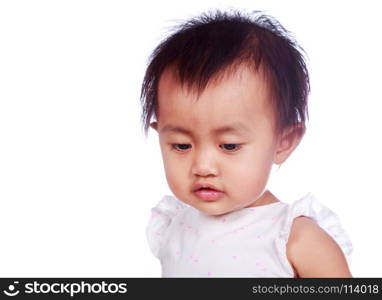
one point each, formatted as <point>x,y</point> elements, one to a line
<point>161,216</point>
<point>309,206</point>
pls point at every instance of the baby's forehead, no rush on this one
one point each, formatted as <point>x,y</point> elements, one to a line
<point>237,103</point>
<point>227,92</point>
<point>236,128</point>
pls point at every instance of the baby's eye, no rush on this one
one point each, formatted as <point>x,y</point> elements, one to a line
<point>231,147</point>
<point>182,147</point>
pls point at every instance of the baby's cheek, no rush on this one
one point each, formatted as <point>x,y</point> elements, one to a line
<point>248,181</point>
<point>176,180</point>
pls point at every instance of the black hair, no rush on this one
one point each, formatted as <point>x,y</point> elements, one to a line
<point>216,42</point>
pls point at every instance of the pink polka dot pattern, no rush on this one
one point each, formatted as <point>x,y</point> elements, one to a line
<point>192,258</point>
<point>261,266</point>
<point>188,227</point>
<point>241,228</point>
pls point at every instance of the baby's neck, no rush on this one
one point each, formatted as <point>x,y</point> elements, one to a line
<point>266,198</point>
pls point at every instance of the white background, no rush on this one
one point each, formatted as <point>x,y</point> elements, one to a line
<point>78,178</point>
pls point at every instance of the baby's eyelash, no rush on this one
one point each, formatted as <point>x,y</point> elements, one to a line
<point>238,147</point>
<point>174,146</point>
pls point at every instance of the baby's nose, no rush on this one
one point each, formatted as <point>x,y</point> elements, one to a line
<point>204,164</point>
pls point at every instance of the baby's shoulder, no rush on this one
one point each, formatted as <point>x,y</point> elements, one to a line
<point>312,252</point>
<point>303,233</point>
<point>162,216</point>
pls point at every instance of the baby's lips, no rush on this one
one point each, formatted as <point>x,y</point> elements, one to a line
<point>205,185</point>
<point>208,194</point>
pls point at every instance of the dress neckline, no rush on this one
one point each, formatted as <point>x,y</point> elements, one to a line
<point>262,206</point>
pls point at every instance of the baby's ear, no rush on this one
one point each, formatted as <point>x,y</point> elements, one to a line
<point>154,125</point>
<point>289,142</point>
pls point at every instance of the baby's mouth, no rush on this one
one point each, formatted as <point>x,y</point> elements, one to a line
<point>208,194</point>
<point>206,189</point>
<point>205,186</point>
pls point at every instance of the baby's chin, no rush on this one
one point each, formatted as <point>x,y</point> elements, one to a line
<point>215,208</point>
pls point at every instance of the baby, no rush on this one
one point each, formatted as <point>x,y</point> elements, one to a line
<point>229,95</point>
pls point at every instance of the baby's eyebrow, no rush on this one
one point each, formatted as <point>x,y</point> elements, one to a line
<point>233,128</point>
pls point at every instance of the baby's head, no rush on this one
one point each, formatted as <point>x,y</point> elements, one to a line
<point>229,95</point>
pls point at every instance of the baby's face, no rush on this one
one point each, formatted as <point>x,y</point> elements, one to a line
<point>237,162</point>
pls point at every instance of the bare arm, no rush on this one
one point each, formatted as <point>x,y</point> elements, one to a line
<point>313,253</point>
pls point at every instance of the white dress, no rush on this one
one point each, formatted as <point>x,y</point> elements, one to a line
<point>250,242</point>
